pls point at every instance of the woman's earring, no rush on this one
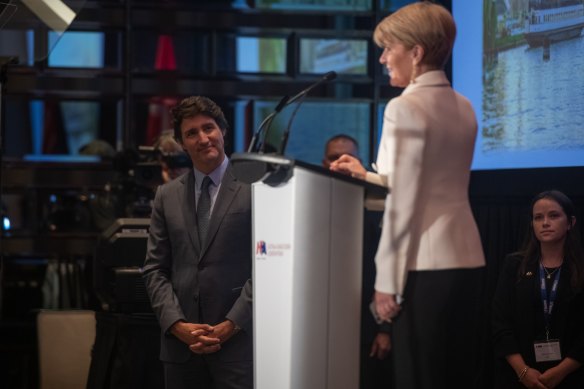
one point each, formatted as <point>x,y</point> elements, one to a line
<point>415,60</point>
<point>414,74</point>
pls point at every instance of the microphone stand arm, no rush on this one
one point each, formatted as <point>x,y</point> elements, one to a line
<point>256,144</point>
<point>253,144</point>
<point>286,134</point>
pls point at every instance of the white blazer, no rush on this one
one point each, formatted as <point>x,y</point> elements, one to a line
<point>424,157</point>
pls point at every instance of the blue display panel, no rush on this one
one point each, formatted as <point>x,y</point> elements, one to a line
<point>260,55</point>
<point>77,49</point>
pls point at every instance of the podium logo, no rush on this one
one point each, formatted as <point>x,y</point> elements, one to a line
<point>271,250</point>
<point>261,248</point>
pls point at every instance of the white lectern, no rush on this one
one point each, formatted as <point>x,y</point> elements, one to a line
<point>307,236</point>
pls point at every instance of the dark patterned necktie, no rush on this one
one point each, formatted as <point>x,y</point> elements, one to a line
<point>204,209</point>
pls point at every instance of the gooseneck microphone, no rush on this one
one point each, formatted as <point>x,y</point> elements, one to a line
<point>300,96</point>
<point>257,142</point>
<point>326,78</point>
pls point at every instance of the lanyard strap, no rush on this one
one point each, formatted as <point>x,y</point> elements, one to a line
<point>548,303</point>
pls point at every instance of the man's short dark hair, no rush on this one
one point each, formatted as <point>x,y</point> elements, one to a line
<point>193,106</point>
<point>342,136</point>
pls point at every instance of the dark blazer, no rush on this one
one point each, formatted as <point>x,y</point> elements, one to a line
<point>201,283</point>
<point>518,320</point>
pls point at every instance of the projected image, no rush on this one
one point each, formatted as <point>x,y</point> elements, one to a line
<point>533,89</point>
<point>342,56</point>
<point>520,64</point>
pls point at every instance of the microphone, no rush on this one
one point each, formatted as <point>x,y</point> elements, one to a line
<point>255,144</point>
<point>326,78</point>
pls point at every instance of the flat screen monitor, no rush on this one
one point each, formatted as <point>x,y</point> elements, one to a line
<point>344,56</point>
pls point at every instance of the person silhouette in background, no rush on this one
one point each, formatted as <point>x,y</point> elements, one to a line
<point>375,365</point>
<point>338,145</point>
<point>173,159</point>
<point>81,123</point>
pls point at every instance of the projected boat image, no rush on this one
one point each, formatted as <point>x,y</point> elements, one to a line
<point>553,20</point>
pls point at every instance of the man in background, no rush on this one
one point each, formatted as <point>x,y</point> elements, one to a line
<point>198,262</point>
<point>174,161</point>
<point>375,340</point>
<point>338,145</point>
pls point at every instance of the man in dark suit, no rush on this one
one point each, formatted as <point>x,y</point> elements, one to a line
<point>198,265</point>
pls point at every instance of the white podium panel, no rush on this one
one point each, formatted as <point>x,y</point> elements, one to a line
<point>307,282</point>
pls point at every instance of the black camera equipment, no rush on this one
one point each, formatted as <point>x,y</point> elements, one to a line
<point>117,270</point>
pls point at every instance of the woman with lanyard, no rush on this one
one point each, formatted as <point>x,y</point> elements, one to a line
<point>538,308</point>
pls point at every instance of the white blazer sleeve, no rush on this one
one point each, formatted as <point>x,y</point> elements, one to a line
<point>404,137</point>
<point>375,203</point>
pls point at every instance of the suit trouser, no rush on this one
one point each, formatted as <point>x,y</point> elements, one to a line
<point>208,372</point>
<point>439,335</point>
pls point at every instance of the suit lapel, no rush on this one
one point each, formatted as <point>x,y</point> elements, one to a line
<point>190,213</point>
<point>225,197</point>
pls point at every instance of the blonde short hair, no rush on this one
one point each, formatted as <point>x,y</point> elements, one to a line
<point>426,24</point>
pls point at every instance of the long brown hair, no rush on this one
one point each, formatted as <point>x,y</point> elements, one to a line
<point>573,253</point>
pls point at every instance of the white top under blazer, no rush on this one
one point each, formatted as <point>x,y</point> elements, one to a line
<point>424,157</point>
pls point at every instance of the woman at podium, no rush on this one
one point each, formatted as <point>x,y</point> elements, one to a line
<point>429,260</point>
